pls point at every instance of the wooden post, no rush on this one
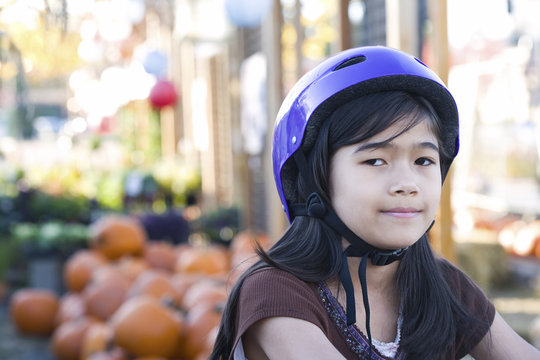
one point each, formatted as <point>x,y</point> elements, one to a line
<point>442,231</point>
<point>402,25</point>
<point>271,31</point>
<point>169,138</point>
<point>344,25</point>
<point>299,39</point>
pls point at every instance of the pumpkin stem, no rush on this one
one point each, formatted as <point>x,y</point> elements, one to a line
<point>169,302</point>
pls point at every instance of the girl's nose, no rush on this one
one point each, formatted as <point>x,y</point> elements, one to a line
<point>404,188</point>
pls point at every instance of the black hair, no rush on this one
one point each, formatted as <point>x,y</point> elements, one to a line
<point>312,251</point>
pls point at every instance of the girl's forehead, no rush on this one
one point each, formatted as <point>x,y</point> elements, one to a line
<point>405,127</point>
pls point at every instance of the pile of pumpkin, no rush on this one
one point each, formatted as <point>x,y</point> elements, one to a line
<point>517,236</point>
<point>130,298</point>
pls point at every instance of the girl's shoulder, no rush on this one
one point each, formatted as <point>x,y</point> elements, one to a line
<point>279,284</point>
<point>270,292</point>
<point>270,273</point>
<point>467,292</point>
<point>457,279</point>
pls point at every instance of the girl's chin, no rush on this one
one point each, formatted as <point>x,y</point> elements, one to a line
<point>394,245</point>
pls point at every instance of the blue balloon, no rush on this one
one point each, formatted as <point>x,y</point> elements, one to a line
<point>156,63</point>
<point>247,13</point>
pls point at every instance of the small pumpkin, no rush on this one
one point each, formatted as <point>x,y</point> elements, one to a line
<point>200,321</point>
<point>79,267</point>
<point>155,283</point>
<point>132,267</point>
<point>115,353</point>
<point>246,242</point>
<point>33,311</point>
<point>71,306</point>
<point>108,272</point>
<point>67,339</point>
<point>145,327</point>
<point>97,339</point>
<point>207,292</point>
<point>105,297</point>
<point>208,345</point>
<point>211,259</point>
<point>160,255</point>
<point>117,235</point>
<point>508,234</point>
<point>182,282</point>
<point>526,239</point>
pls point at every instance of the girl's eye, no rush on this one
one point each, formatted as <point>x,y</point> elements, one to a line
<point>424,161</point>
<point>374,162</point>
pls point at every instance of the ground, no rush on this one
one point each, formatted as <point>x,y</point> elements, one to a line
<point>16,347</point>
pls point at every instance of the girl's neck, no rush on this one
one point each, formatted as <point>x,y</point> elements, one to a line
<point>380,279</point>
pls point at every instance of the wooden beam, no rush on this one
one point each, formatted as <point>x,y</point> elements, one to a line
<point>345,41</point>
<point>276,220</point>
<point>402,25</point>
<point>442,239</point>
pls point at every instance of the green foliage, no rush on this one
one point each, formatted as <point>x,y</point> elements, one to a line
<point>219,225</point>
<point>52,235</point>
<point>60,207</point>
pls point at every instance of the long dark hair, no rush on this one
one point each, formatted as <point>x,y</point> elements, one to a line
<point>311,251</point>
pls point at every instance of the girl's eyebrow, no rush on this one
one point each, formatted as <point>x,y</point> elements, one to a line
<point>388,144</point>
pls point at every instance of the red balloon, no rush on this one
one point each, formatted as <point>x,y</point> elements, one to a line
<point>163,94</point>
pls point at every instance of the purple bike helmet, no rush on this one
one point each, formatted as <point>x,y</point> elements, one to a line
<point>340,79</point>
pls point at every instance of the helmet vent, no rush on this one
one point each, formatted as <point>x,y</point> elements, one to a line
<point>351,61</point>
<point>420,61</point>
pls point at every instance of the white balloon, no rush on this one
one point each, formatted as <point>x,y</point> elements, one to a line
<point>247,13</point>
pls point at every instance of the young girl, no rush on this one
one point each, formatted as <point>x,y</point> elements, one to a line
<point>362,145</point>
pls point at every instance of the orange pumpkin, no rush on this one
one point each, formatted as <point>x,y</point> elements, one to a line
<point>525,240</point>
<point>98,338</point>
<point>131,267</point>
<point>145,327</point>
<point>71,306</point>
<point>208,345</point>
<point>206,292</point>
<point>246,242</point>
<point>212,259</point>
<point>115,353</point>
<point>160,255</point>
<point>105,297</point>
<point>79,267</point>
<point>117,235</point>
<point>200,321</point>
<point>182,282</point>
<point>67,339</point>
<point>154,283</point>
<point>33,311</point>
<point>108,272</point>
<point>508,234</point>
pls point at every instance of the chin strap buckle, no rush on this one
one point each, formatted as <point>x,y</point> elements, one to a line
<point>315,206</point>
<point>382,258</point>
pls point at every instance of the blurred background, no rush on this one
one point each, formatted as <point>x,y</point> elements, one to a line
<point>162,112</point>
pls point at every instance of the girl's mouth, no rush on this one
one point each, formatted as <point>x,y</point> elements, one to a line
<point>407,212</point>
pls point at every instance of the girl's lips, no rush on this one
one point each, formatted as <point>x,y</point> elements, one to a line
<point>402,212</point>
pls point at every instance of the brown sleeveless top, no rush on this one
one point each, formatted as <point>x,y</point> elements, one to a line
<point>272,292</point>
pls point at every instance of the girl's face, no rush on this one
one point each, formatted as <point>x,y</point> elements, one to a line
<point>388,193</point>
